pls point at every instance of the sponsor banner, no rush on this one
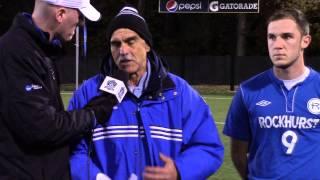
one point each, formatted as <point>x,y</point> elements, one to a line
<point>209,6</point>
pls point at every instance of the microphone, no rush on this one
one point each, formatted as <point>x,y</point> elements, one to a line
<point>115,87</point>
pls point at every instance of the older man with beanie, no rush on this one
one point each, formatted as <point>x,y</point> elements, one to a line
<point>35,129</point>
<point>155,132</point>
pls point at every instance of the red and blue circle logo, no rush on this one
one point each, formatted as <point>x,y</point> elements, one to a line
<point>172,6</point>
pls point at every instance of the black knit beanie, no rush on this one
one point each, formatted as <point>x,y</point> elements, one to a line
<point>128,17</point>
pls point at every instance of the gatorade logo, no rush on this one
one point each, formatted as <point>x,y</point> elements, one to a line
<point>214,6</point>
<point>172,6</point>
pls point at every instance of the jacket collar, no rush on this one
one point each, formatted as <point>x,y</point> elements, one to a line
<point>159,80</point>
<point>24,21</point>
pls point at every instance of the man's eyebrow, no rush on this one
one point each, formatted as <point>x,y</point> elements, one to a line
<point>280,34</point>
<point>131,38</point>
<point>128,39</point>
<point>115,41</point>
<point>287,33</point>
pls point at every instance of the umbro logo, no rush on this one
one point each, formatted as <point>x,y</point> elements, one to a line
<point>263,103</point>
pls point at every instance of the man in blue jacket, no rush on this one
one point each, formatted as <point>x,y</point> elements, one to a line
<point>162,128</point>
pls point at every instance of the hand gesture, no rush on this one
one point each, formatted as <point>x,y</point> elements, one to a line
<point>167,172</point>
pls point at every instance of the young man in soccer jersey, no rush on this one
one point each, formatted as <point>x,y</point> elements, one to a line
<point>273,120</point>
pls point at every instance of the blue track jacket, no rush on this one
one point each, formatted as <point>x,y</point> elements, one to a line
<point>176,122</point>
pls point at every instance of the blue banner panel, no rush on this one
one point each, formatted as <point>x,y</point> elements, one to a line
<point>209,6</point>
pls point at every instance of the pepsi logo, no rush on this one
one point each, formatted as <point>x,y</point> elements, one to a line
<point>172,6</point>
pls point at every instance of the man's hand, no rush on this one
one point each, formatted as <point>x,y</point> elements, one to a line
<point>102,105</point>
<point>168,171</point>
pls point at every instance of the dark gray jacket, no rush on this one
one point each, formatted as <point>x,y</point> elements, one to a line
<point>34,128</point>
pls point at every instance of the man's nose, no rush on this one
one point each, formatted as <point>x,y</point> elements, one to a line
<point>278,43</point>
<point>124,48</point>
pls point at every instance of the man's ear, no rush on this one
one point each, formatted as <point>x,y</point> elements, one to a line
<point>306,40</point>
<point>60,13</point>
<point>147,47</point>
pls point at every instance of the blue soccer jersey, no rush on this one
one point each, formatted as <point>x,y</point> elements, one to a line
<point>281,126</point>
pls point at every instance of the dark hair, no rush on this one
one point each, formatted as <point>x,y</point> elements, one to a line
<point>293,14</point>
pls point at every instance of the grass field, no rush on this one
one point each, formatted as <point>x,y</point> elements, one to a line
<point>219,106</point>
